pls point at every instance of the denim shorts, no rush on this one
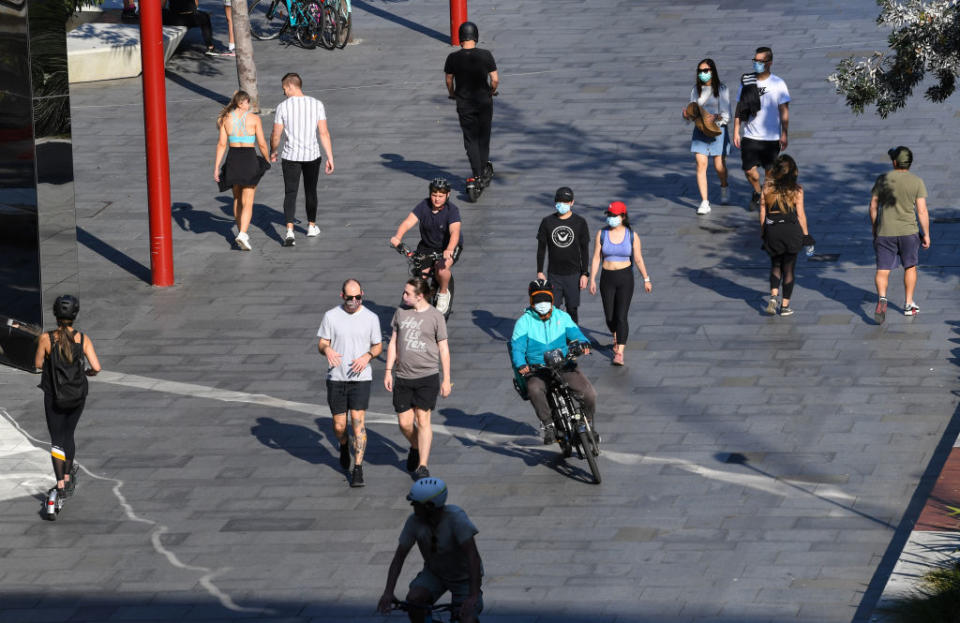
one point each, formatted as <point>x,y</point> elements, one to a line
<point>703,144</point>
<point>890,248</point>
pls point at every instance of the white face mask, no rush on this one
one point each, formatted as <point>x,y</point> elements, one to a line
<point>614,221</point>
<point>562,208</point>
<point>543,308</point>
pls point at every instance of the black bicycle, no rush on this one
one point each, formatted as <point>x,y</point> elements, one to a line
<point>573,430</point>
<point>431,613</point>
<point>421,265</point>
<point>271,18</point>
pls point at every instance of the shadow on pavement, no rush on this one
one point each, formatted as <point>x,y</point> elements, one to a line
<point>497,327</point>
<point>299,441</point>
<point>190,219</point>
<point>196,88</point>
<point>418,168</point>
<point>402,21</point>
<point>380,450</point>
<point>266,219</point>
<point>117,257</point>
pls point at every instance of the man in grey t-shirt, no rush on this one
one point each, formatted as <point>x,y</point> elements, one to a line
<point>350,339</point>
<point>417,348</point>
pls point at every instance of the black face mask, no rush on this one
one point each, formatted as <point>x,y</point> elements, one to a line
<point>427,513</point>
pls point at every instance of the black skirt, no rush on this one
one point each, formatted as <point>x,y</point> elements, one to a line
<point>784,237</point>
<point>242,167</point>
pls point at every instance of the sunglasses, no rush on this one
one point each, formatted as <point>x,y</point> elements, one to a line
<point>705,70</point>
<point>352,297</point>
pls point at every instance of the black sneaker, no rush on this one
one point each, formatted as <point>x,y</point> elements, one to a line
<point>755,202</point>
<point>549,434</point>
<point>345,456</point>
<point>413,459</point>
<point>422,472</point>
<point>487,175</point>
<point>357,479</point>
<point>71,484</point>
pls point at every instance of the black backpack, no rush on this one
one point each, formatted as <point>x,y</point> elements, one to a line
<point>68,380</point>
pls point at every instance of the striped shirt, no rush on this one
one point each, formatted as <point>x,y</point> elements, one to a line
<point>299,116</point>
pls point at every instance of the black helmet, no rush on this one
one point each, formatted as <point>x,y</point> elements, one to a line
<point>540,285</point>
<point>468,32</point>
<point>66,307</point>
<point>439,184</point>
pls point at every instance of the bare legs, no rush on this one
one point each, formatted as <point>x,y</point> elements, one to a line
<point>359,433</point>
<point>909,283</point>
<point>243,206</point>
<point>419,436</point>
<point>719,163</point>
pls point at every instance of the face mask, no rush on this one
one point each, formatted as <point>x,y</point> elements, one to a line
<point>562,208</point>
<point>351,305</point>
<point>543,308</point>
<point>614,221</point>
<point>758,66</point>
<point>704,76</point>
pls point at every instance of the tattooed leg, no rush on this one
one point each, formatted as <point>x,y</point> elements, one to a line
<point>359,436</point>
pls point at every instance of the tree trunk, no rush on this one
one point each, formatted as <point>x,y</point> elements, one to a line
<point>246,68</point>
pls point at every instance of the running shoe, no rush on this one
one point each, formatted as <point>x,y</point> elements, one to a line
<point>911,309</point>
<point>880,313</point>
<point>243,241</point>
<point>211,52</point>
<point>443,302</point>
<point>786,311</point>
<point>617,358</point>
<point>289,240</point>
<point>771,306</point>
<point>313,231</point>
<point>724,195</point>
<point>71,484</point>
<point>357,479</point>
<point>345,456</point>
<point>413,459</point>
<point>704,207</point>
<point>549,434</point>
<point>422,472</point>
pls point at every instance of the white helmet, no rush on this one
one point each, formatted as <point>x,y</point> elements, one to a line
<point>431,491</point>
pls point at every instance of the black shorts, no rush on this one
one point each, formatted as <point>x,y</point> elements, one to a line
<point>758,153</point>
<point>348,395</point>
<point>416,393</point>
<point>566,290</point>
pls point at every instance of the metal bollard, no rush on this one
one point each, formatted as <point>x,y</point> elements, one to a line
<point>458,15</point>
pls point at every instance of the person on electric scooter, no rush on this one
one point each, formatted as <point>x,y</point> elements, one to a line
<point>439,220</point>
<point>445,536</point>
<point>542,328</point>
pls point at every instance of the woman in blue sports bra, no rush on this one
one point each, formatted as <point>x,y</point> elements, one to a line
<point>243,167</point>
<point>618,247</point>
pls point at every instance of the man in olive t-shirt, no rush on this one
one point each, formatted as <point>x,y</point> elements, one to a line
<point>899,200</point>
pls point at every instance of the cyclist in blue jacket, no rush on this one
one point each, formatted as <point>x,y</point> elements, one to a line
<point>541,328</point>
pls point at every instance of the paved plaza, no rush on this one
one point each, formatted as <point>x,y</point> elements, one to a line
<point>756,469</point>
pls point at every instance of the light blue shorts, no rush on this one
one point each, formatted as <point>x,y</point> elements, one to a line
<point>703,144</point>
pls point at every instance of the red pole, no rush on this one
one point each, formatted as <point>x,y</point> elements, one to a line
<point>458,15</point>
<point>155,136</point>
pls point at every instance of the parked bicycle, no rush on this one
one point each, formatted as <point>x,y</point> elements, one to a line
<point>336,23</point>
<point>431,614</point>
<point>271,18</point>
<point>573,430</point>
<point>421,265</point>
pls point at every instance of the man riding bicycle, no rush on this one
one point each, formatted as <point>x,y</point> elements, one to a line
<point>439,221</point>
<point>542,328</point>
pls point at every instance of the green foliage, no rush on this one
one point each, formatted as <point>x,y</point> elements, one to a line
<point>925,43</point>
<point>937,601</point>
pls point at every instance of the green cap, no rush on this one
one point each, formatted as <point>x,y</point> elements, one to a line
<point>902,156</point>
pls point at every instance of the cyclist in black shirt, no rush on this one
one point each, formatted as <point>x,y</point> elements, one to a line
<point>472,80</point>
<point>566,237</point>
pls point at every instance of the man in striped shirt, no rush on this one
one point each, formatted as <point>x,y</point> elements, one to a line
<point>299,120</point>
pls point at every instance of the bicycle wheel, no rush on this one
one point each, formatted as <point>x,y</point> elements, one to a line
<point>329,26</point>
<point>345,24</point>
<point>267,18</point>
<point>308,24</point>
<point>586,444</point>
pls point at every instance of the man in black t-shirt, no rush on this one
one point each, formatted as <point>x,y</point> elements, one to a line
<point>566,236</point>
<point>472,80</point>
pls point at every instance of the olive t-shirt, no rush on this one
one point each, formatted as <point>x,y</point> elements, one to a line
<point>897,193</point>
<point>442,545</point>
<point>418,341</point>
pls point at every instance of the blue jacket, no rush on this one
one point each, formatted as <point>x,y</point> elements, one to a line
<point>532,337</point>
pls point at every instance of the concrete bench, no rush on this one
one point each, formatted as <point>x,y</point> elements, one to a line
<point>104,51</point>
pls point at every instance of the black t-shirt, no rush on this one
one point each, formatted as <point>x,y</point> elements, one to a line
<point>568,243</point>
<point>470,69</point>
<point>182,6</point>
<point>435,227</point>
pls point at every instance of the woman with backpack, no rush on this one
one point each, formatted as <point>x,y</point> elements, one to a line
<point>61,354</point>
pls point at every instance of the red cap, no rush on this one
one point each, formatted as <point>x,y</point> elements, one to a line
<point>618,208</point>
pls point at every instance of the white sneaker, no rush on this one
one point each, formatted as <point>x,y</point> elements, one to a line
<point>443,302</point>
<point>243,241</point>
<point>289,240</point>
<point>704,207</point>
<point>312,231</point>
<point>724,195</point>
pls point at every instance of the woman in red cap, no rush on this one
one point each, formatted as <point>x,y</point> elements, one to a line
<point>618,247</point>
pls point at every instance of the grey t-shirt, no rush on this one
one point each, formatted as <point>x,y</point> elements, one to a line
<point>418,338</point>
<point>351,335</point>
<point>446,560</point>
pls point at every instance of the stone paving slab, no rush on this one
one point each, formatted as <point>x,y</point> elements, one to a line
<point>220,497</point>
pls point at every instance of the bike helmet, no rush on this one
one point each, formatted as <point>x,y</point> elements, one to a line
<point>439,184</point>
<point>429,491</point>
<point>66,307</point>
<point>468,32</point>
<point>538,288</point>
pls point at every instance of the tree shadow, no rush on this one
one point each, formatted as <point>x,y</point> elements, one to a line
<point>190,219</point>
<point>196,88</point>
<point>113,255</point>
<point>402,21</point>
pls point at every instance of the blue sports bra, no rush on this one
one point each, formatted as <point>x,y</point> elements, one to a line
<point>238,130</point>
<point>616,252</point>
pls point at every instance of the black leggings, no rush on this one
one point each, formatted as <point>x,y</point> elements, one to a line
<point>291,182</point>
<point>191,20</point>
<point>61,423</point>
<point>616,291</point>
<point>781,267</point>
